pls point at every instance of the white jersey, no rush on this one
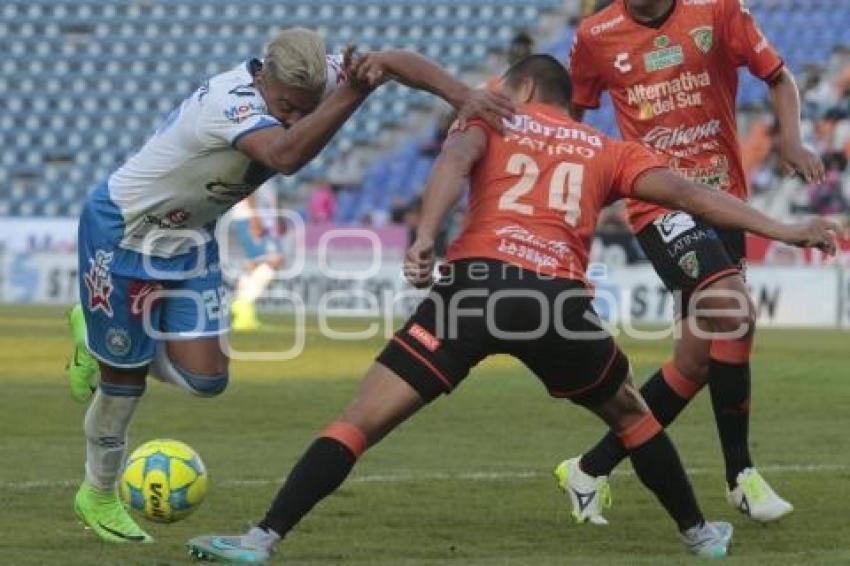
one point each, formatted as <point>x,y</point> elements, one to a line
<point>189,173</point>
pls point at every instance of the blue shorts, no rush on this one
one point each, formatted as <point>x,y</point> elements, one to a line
<point>254,248</point>
<point>128,312</point>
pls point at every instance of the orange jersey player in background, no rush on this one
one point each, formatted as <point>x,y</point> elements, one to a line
<point>671,68</point>
<point>515,285</point>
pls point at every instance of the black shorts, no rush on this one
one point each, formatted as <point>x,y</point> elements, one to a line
<point>689,254</point>
<point>483,307</point>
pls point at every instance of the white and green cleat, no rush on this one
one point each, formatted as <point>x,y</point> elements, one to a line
<point>103,513</point>
<point>589,495</point>
<point>254,547</point>
<point>708,540</point>
<point>754,497</point>
<point>82,368</point>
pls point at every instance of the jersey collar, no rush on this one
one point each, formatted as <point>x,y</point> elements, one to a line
<point>656,24</point>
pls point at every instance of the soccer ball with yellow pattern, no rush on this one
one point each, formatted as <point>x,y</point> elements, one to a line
<point>164,479</point>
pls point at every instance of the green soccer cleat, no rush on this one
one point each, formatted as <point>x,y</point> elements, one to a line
<point>254,547</point>
<point>104,513</point>
<point>82,368</point>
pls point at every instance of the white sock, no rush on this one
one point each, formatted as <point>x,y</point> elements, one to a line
<point>252,285</point>
<point>106,423</point>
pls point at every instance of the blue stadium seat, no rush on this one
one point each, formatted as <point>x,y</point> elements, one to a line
<point>109,70</point>
<point>122,66</point>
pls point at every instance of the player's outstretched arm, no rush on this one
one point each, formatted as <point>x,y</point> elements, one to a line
<point>416,71</point>
<point>668,189</point>
<point>796,157</point>
<point>449,178</point>
<point>288,150</point>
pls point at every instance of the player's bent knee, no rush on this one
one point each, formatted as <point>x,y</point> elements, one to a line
<point>202,384</point>
<point>205,385</point>
<point>727,307</point>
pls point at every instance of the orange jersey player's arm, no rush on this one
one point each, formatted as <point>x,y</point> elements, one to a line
<point>662,186</point>
<point>449,177</point>
<point>746,46</point>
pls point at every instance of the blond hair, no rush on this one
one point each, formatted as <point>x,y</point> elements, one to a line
<point>296,57</point>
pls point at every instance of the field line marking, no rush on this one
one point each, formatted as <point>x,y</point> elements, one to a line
<point>441,476</point>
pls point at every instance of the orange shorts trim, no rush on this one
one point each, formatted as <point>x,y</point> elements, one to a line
<point>640,432</point>
<point>732,351</point>
<point>437,373</point>
<point>348,435</point>
<point>716,277</point>
<point>676,380</point>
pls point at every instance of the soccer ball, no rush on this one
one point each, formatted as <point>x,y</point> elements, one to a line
<point>164,479</point>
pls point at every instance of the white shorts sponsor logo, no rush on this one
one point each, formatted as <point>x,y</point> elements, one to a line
<point>672,225</point>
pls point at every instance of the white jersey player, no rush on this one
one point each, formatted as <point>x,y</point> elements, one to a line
<point>150,280</point>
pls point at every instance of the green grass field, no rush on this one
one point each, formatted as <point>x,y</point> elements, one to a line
<point>465,483</point>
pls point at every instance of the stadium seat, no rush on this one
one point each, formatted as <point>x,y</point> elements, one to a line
<point>108,71</point>
<point>122,66</point>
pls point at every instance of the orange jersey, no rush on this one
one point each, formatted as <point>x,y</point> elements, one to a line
<point>674,88</point>
<point>536,194</point>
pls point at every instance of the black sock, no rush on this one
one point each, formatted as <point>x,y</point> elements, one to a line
<point>664,403</point>
<point>658,466</point>
<point>730,398</point>
<point>319,472</point>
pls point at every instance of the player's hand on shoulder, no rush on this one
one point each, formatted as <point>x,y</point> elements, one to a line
<point>419,263</point>
<point>487,105</point>
<point>802,160</point>
<point>818,233</point>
